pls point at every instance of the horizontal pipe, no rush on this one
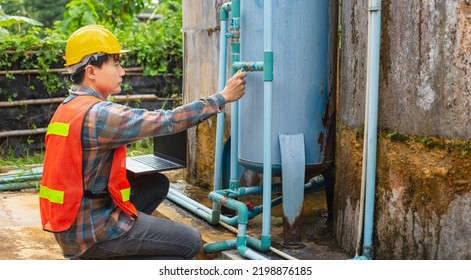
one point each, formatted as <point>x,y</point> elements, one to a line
<point>219,246</point>
<point>116,98</point>
<point>249,253</point>
<point>23,132</point>
<point>60,71</point>
<point>250,240</point>
<point>19,177</point>
<point>189,200</point>
<point>19,186</point>
<point>193,209</point>
<point>248,65</point>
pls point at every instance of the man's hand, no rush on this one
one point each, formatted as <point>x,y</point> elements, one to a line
<point>235,87</point>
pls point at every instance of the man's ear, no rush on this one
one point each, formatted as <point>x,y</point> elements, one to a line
<point>90,72</point>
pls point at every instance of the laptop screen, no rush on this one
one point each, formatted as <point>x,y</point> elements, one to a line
<point>169,154</point>
<point>172,147</point>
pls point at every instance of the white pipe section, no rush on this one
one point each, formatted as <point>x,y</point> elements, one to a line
<point>371,126</point>
<point>220,116</point>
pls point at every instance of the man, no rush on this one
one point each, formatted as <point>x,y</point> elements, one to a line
<point>85,198</point>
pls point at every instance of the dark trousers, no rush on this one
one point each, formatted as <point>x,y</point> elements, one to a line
<point>150,237</point>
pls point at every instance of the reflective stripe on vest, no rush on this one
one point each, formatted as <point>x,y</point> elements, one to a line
<point>57,128</point>
<point>53,196</point>
<point>126,194</point>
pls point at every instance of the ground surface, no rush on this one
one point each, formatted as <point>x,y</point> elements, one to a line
<point>23,238</point>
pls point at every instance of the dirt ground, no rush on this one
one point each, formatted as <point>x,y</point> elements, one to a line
<point>20,229</point>
<point>23,238</point>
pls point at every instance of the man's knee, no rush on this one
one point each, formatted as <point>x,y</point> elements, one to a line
<point>197,245</point>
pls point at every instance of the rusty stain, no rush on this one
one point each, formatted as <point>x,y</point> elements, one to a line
<point>223,200</point>
<point>292,233</point>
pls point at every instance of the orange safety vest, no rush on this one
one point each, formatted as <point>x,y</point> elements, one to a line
<point>61,188</point>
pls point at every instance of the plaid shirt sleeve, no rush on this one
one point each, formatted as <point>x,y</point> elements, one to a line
<point>118,125</point>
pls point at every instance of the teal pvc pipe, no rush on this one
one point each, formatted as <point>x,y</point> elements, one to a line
<point>188,206</point>
<point>249,253</point>
<point>19,186</point>
<point>219,246</point>
<point>220,116</point>
<point>224,12</point>
<point>267,129</point>
<point>218,158</point>
<point>188,200</point>
<point>235,57</point>
<point>240,207</point>
<point>248,65</point>
<point>374,44</point>
<point>20,177</point>
<point>242,211</point>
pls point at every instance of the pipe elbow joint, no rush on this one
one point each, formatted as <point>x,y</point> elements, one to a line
<point>225,9</point>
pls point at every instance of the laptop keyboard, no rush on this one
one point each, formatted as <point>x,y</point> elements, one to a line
<point>156,162</point>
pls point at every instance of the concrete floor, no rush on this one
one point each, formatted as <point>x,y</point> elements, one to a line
<point>23,239</point>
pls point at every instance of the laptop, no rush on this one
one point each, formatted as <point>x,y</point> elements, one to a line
<point>169,154</point>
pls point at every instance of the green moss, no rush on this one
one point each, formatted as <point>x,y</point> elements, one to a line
<point>429,142</point>
<point>464,148</point>
<point>461,146</point>
<point>394,136</point>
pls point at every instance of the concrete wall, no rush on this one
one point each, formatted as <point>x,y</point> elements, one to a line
<point>424,140</point>
<point>425,66</point>
<point>201,56</point>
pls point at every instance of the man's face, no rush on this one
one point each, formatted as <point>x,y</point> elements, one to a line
<point>109,77</point>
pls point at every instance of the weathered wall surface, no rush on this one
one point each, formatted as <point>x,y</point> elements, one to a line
<point>425,66</point>
<point>201,59</point>
<point>424,145</point>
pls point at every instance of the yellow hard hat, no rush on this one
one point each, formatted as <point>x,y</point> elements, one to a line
<point>89,40</point>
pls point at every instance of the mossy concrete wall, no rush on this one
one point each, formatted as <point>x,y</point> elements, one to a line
<point>423,190</point>
<point>201,63</point>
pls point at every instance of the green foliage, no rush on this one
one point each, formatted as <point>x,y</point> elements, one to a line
<point>110,13</point>
<point>11,20</point>
<point>142,147</point>
<point>156,45</point>
<point>39,49</point>
<point>27,158</point>
<point>45,11</point>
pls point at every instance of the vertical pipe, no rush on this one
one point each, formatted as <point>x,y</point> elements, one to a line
<point>267,121</point>
<point>220,117</point>
<point>374,38</point>
<point>235,57</point>
<point>361,213</point>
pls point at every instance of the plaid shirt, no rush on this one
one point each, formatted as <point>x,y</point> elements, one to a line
<point>106,126</point>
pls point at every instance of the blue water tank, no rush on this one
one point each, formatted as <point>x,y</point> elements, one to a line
<point>304,45</point>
